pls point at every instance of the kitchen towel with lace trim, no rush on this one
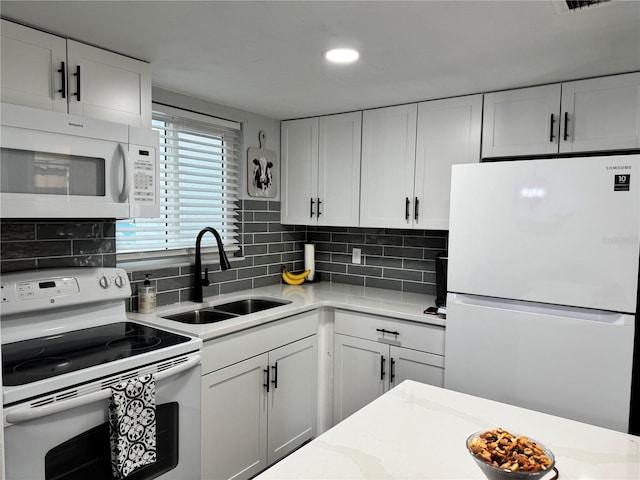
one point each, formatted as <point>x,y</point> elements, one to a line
<point>132,425</point>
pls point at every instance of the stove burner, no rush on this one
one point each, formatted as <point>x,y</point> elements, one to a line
<point>124,329</point>
<point>44,365</point>
<point>133,342</point>
<point>20,352</point>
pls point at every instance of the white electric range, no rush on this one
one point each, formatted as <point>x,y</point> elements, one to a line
<point>65,341</point>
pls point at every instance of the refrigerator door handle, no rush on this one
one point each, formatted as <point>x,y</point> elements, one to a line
<point>587,314</point>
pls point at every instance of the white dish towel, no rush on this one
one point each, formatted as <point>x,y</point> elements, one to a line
<point>132,425</point>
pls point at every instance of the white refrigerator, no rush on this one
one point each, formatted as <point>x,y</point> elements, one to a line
<point>543,285</point>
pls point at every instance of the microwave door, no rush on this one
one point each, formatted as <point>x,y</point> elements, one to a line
<point>46,175</point>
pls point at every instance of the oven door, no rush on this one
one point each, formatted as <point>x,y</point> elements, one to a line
<point>69,440</point>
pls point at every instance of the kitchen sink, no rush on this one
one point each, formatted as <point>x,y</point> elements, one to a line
<point>225,311</point>
<point>206,315</point>
<point>250,305</point>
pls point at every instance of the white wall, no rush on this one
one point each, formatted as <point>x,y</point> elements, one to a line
<point>251,126</point>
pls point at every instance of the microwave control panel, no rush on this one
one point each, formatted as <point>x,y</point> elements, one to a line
<point>144,174</point>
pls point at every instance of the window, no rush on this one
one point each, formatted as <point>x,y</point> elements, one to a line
<point>199,183</point>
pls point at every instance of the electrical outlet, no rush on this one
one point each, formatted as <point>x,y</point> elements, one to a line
<point>356,256</point>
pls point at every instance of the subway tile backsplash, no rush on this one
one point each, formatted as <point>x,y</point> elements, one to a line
<point>392,259</point>
<point>26,245</point>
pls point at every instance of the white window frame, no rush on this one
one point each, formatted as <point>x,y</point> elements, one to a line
<point>184,256</point>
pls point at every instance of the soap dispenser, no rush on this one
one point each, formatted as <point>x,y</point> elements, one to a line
<point>147,297</point>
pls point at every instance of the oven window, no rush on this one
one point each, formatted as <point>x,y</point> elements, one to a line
<point>87,456</point>
<point>25,171</point>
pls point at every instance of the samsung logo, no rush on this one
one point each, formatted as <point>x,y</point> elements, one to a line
<point>618,167</point>
<point>71,124</point>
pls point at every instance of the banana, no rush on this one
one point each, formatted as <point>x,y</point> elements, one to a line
<point>293,278</point>
<point>297,276</point>
<point>290,281</point>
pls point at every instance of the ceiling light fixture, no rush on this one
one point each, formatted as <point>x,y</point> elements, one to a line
<point>342,55</point>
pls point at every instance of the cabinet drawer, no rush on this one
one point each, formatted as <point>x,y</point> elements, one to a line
<point>417,336</point>
<point>223,351</point>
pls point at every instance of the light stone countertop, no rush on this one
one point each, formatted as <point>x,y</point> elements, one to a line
<point>417,431</point>
<point>305,297</point>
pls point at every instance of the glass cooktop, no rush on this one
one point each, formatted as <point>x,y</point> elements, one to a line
<point>39,358</point>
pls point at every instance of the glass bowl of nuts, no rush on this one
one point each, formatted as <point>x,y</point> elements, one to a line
<point>507,456</point>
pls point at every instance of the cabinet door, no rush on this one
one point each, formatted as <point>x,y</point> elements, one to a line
<point>388,160</point>
<point>448,133</point>
<point>293,397</point>
<point>299,169</point>
<point>110,87</point>
<point>339,169</point>
<point>234,420</point>
<point>30,60</point>
<point>415,365</point>
<point>360,374</point>
<point>521,122</point>
<point>601,114</point>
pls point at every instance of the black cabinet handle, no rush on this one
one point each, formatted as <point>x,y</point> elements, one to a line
<point>393,370</point>
<point>551,129</point>
<point>566,125</point>
<point>406,209</point>
<point>415,216</point>
<point>382,372</point>
<point>266,385</point>
<point>311,207</point>
<point>77,75</point>
<point>319,212</point>
<point>383,331</point>
<point>63,77</point>
<point>275,375</point>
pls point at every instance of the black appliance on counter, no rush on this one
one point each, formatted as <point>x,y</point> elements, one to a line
<point>441,279</point>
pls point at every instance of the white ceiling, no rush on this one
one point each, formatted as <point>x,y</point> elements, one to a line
<point>265,57</point>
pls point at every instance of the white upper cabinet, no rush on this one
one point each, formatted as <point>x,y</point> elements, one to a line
<point>33,66</point>
<point>299,171</point>
<point>321,170</point>
<point>448,134</point>
<point>45,71</point>
<point>587,115</point>
<point>388,163</point>
<point>601,114</point>
<point>521,122</point>
<point>339,170</point>
<point>407,153</point>
<point>108,86</point>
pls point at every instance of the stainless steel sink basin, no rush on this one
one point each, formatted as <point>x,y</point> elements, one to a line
<point>200,316</point>
<point>225,311</point>
<point>249,305</point>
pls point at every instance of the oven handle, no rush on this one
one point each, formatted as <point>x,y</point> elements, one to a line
<point>26,414</point>
<point>126,165</point>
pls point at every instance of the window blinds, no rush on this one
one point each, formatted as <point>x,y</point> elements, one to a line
<point>199,186</point>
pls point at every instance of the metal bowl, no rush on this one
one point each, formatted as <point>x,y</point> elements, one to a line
<point>497,473</point>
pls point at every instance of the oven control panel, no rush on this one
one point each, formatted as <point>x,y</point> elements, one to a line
<point>34,290</point>
<point>51,287</point>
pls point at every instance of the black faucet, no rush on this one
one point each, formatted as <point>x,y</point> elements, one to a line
<point>198,281</point>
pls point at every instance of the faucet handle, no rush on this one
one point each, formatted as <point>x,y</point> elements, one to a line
<point>205,280</point>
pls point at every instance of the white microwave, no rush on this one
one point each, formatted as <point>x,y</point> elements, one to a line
<point>55,165</point>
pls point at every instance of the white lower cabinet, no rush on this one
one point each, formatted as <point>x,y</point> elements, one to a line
<point>373,354</point>
<point>292,397</point>
<point>234,421</point>
<point>258,409</point>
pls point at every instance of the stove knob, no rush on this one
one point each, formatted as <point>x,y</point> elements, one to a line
<point>120,281</point>
<point>104,282</point>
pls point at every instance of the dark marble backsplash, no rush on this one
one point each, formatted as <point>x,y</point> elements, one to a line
<point>392,259</point>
